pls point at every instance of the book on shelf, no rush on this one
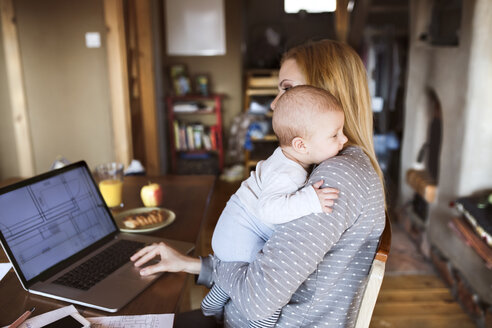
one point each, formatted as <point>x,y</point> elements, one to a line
<point>177,143</point>
<point>213,137</point>
<point>179,136</point>
<point>198,132</point>
<point>194,136</point>
<point>182,137</point>
<point>207,144</point>
<point>189,138</point>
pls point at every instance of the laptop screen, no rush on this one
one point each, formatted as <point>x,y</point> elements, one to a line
<point>48,220</point>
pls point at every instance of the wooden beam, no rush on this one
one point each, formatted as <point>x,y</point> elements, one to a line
<point>146,82</point>
<point>15,80</point>
<point>421,182</point>
<point>118,80</point>
<point>358,22</point>
<point>342,20</point>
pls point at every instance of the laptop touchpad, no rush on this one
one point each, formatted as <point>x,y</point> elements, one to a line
<point>132,272</point>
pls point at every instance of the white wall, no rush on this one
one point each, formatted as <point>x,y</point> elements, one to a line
<point>476,170</point>
<point>462,79</point>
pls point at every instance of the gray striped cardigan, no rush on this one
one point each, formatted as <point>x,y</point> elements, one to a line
<point>315,267</point>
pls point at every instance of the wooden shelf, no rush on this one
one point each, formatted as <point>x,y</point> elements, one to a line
<point>197,112</point>
<point>267,138</point>
<point>251,163</point>
<point>421,183</point>
<point>198,151</point>
<point>261,84</point>
<point>261,92</point>
<point>262,78</point>
<point>215,129</point>
<point>194,97</point>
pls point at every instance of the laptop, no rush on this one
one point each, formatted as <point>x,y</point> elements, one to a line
<point>58,233</point>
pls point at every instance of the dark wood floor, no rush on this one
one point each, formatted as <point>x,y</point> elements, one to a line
<point>412,295</point>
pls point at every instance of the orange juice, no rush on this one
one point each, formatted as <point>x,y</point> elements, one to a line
<point>111,191</point>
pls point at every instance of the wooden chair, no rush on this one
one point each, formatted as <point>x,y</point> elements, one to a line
<point>375,278</point>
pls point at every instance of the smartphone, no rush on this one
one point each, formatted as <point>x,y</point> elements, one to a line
<point>74,320</point>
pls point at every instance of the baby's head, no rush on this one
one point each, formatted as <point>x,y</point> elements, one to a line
<point>308,122</point>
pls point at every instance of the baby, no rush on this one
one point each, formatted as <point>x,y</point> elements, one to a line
<point>308,123</point>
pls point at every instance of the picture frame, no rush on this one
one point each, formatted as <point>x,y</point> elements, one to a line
<point>178,74</point>
<point>202,84</point>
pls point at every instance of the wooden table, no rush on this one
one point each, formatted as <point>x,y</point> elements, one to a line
<point>187,196</point>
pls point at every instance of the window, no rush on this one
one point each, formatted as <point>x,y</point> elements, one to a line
<point>310,6</point>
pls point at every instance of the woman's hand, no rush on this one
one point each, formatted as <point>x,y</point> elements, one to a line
<point>326,196</point>
<point>170,260</point>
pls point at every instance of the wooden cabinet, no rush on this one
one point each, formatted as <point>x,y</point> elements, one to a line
<point>261,88</point>
<point>195,134</point>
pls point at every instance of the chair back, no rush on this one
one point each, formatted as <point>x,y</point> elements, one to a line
<point>375,278</point>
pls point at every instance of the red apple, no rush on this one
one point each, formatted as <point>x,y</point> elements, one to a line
<point>151,195</point>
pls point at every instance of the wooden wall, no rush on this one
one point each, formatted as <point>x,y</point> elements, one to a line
<point>8,152</point>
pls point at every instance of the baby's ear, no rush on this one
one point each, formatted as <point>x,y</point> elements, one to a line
<point>299,145</point>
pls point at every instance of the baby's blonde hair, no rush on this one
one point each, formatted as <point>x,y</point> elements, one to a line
<point>297,110</point>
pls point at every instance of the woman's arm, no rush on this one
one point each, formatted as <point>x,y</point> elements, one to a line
<point>171,260</point>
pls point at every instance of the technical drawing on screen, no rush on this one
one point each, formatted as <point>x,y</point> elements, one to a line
<point>46,222</point>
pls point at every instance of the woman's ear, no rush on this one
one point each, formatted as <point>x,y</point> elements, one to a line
<point>299,145</point>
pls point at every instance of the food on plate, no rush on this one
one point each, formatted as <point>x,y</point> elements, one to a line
<point>143,219</point>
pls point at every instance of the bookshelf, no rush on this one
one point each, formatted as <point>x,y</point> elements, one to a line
<point>261,89</point>
<point>195,133</point>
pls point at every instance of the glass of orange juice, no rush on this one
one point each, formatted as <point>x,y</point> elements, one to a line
<point>110,181</point>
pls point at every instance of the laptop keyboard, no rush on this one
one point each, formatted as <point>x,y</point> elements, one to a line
<point>100,266</point>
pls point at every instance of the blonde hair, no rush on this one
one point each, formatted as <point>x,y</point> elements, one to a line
<point>298,109</point>
<point>336,67</point>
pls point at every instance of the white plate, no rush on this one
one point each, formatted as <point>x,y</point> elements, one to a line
<point>169,217</point>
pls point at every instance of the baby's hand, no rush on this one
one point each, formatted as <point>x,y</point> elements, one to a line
<point>326,196</point>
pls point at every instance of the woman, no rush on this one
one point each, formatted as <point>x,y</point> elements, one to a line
<point>314,268</point>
